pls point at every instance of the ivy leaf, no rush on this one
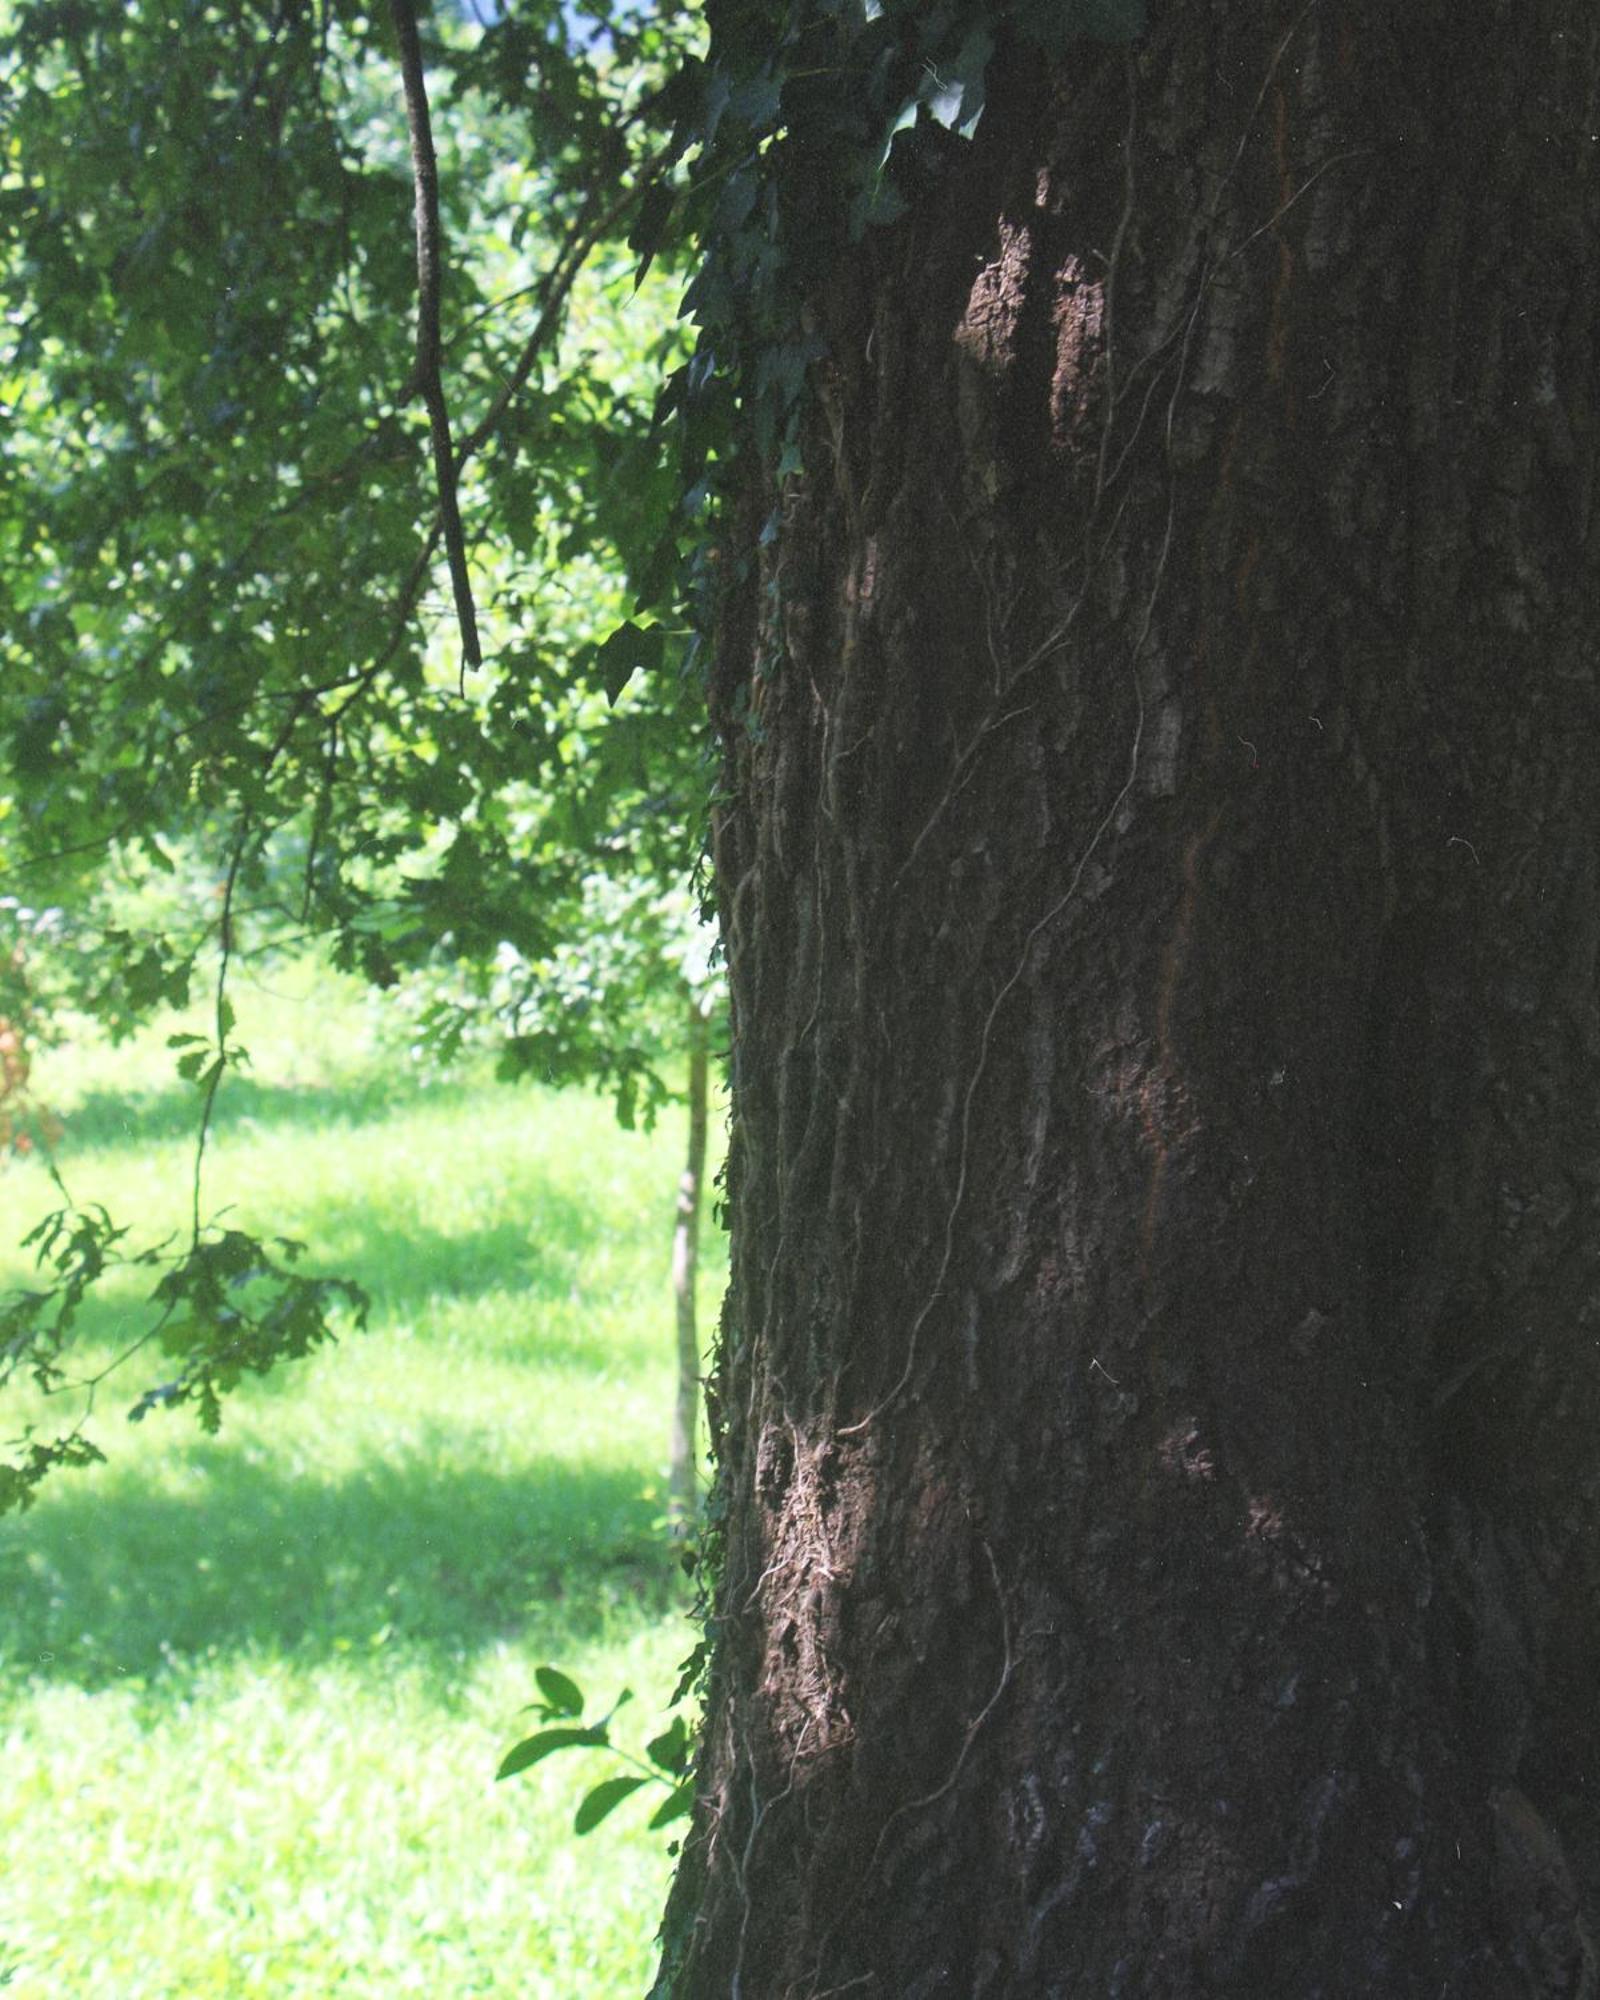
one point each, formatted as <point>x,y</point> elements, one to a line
<point>650,226</point>
<point>957,99</point>
<point>631,647</point>
<point>690,1671</point>
<point>602,1800</point>
<point>671,1748</point>
<point>739,195</point>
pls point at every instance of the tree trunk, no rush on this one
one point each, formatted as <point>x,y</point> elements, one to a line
<point>1159,1386</point>
<point>683,1474</point>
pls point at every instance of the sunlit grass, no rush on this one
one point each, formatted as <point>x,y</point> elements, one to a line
<point>253,1689</point>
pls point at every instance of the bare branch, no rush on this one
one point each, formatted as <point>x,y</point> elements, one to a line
<point>427,379</point>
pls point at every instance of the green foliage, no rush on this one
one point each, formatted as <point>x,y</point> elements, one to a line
<point>665,1761</point>
<point>36,1325</point>
<point>223,1306</point>
<point>219,535</point>
<point>562,1695</point>
<point>18,1480</point>
<point>630,649</point>
<point>215,502</point>
<point>215,495</point>
<point>228,1309</point>
<point>813,123</point>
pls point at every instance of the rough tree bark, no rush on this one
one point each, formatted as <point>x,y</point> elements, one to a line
<point>1160,1382</point>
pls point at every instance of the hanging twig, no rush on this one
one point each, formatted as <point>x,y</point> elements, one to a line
<point>222,1013</point>
<point>426,378</point>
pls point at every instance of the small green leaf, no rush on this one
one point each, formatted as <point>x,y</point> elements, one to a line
<point>691,1669</point>
<point>673,1808</point>
<point>631,647</point>
<point>602,1800</point>
<point>644,239</point>
<point>544,1743</point>
<point>671,1748</point>
<point>562,1695</point>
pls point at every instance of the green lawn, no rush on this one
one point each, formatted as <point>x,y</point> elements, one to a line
<point>253,1689</point>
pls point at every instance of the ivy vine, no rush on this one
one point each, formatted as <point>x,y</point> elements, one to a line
<point>808,126</point>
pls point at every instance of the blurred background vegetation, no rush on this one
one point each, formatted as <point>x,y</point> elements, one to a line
<point>319,953</point>
<point>254,1688</point>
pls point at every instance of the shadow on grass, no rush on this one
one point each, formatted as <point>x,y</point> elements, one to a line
<point>404,1266</point>
<point>402,1263</point>
<point>113,1579</point>
<point>118,1118</point>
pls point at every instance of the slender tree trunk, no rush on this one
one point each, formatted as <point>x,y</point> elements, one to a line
<point>1160,1382</point>
<point>683,1478</point>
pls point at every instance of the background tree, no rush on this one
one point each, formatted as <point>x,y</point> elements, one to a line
<point>224,537</point>
<point>630,996</point>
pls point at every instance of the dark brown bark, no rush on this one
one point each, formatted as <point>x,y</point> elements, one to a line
<point>683,1476</point>
<point>1160,1381</point>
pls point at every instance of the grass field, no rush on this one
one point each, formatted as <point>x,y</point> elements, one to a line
<point>253,1689</point>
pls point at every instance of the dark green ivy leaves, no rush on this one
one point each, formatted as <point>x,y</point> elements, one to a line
<point>629,650</point>
<point>811,125</point>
